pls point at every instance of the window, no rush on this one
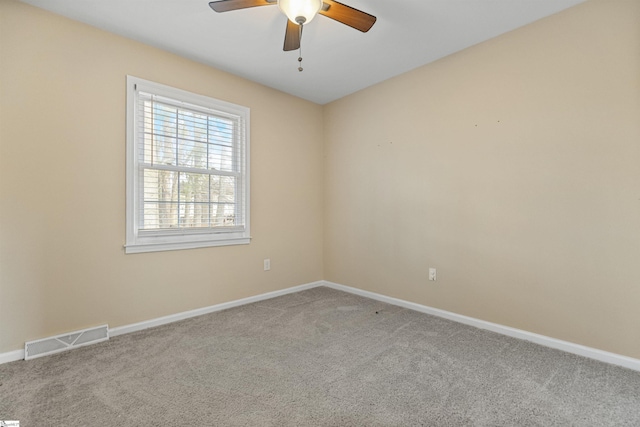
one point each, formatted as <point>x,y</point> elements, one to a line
<point>187,170</point>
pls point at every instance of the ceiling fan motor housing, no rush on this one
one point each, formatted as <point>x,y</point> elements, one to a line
<point>300,11</point>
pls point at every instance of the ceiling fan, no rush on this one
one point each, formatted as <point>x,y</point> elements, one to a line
<point>300,12</point>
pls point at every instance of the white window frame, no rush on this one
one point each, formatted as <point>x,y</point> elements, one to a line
<point>138,240</point>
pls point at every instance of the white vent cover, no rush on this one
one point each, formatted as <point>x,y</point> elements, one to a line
<point>52,345</point>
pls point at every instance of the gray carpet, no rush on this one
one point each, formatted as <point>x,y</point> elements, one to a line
<point>317,358</point>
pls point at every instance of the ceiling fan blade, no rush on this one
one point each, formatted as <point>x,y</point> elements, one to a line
<point>292,36</point>
<point>227,5</point>
<point>348,15</point>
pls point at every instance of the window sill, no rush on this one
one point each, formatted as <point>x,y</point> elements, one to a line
<point>174,246</point>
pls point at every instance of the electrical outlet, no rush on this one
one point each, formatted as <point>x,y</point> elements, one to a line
<point>432,274</point>
<point>267,264</point>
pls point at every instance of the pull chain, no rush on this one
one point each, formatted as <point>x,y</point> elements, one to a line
<point>300,52</point>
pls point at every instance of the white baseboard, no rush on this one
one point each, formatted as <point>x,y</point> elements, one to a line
<point>592,353</point>
<point>11,356</point>
<point>205,310</point>
<point>569,347</point>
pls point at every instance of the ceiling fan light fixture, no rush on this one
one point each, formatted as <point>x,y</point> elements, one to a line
<point>300,11</point>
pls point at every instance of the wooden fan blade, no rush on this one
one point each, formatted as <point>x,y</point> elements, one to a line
<point>292,36</point>
<point>348,15</point>
<point>227,5</point>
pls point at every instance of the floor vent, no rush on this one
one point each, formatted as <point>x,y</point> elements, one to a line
<point>52,345</point>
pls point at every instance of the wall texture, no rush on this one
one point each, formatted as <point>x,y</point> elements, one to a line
<point>62,185</point>
<point>511,167</point>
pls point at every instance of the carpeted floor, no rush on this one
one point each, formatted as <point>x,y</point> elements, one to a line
<point>317,358</point>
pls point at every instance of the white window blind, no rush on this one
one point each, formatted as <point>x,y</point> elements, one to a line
<point>188,172</point>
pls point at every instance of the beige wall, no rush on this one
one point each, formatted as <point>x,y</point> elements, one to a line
<point>62,185</point>
<point>513,168</point>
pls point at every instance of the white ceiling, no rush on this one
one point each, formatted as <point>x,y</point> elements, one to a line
<point>338,60</point>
